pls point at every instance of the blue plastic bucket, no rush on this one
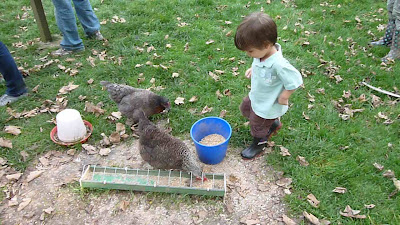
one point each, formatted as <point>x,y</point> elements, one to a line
<point>204,127</point>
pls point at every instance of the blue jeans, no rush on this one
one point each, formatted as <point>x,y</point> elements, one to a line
<point>14,82</point>
<point>66,21</point>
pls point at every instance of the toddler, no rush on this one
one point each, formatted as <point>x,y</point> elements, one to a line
<point>273,79</point>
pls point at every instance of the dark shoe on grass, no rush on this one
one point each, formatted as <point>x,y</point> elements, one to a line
<point>253,150</point>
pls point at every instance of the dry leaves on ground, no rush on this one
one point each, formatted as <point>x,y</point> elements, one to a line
<point>287,220</point>
<point>378,166</point>
<point>348,212</point>
<point>340,190</point>
<point>179,101</point>
<point>313,200</point>
<point>311,218</point>
<point>302,161</point>
<point>5,143</point>
<point>33,175</point>
<point>284,151</point>
<point>25,202</point>
<point>14,130</point>
<point>96,109</point>
<point>66,89</point>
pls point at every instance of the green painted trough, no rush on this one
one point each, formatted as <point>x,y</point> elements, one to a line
<point>152,180</point>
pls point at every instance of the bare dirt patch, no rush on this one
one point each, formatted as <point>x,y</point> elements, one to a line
<point>254,192</point>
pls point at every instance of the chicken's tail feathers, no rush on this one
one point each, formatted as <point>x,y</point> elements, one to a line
<point>104,83</point>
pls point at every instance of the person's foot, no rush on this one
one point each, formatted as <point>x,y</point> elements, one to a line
<point>253,150</point>
<point>96,36</point>
<point>381,42</point>
<point>394,54</point>
<point>7,99</point>
<point>64,52</point>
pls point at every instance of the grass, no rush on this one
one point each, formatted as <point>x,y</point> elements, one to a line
<point>334,36</point>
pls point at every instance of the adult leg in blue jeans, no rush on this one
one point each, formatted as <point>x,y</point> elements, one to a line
<point>66,22</point>
<point>14,82</point>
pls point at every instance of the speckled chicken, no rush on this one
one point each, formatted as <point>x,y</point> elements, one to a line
<point>163,151</point>
<point>130,100</point>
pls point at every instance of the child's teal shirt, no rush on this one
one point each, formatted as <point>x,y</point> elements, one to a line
<point>268,79</point>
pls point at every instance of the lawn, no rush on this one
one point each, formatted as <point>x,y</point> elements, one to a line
<point>149,40</point>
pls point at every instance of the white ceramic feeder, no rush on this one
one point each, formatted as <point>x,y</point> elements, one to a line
<point>70,126</point>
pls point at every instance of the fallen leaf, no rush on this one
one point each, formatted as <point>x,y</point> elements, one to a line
<point>340,190</point>
<point>206,109</point>
<point>14,130</point>
<point>24,155</point>
<point>214,76</point>
<point>44,161</point>
<point>222,113</point>
<point>313,200</point>
<point>105,141</point>
<point>305,116</point>
<point>348,212</point>
<point>104,151</point>
<point>388,174</point>
<point>35,89</point>
<point>179,101</point>
<point>71,151</point>
<point>90,149</point>
<point>193,99</point>
<point>14,176</point>
<point>2,161</point>
<point>284,151</point>
<point>115,137</point>
<point>302,160</point>
<point>90,81</point>
<point>175,75</point>
<point>25,202</point>
<point>120,128</point>
<point>227,92</point>
<point>5,143</point>
<point>378,166</point>
<point>48,210</point>
<point>370,206</point>
<point>287,220</point>
<point>33,175</point>
<point>124,205</point>
<point>66,89</point>
<point>219,95</point>
<point>346,94</point>
<point>209,42</point>
<point>90,107</point>
<point>311,218</point>
<point>117,115</point>
<point>284,182</point>
<point>13,201</point>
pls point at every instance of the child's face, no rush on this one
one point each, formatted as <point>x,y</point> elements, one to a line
<point>259,53</point>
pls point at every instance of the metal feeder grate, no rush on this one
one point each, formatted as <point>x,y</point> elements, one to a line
<point>168,181</point>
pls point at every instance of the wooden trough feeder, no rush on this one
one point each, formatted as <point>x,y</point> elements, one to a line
<point>167,181</point>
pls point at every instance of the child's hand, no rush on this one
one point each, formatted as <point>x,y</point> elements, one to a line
<point>283,101</point>
<point>248,73</point>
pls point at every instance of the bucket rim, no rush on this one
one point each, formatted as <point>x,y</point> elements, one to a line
<point>211,117</point>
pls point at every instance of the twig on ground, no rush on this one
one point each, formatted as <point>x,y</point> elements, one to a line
<point>380,90</point>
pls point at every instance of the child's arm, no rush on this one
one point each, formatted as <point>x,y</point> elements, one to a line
<point>248,73</point>
<point>284,97</point>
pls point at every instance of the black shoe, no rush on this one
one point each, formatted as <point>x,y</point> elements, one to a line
<point>253,150</point>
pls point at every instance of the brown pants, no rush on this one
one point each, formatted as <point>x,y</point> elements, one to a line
<point>259,126</point>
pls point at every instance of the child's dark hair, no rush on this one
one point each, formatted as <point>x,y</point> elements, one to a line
<point>256,30</point>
